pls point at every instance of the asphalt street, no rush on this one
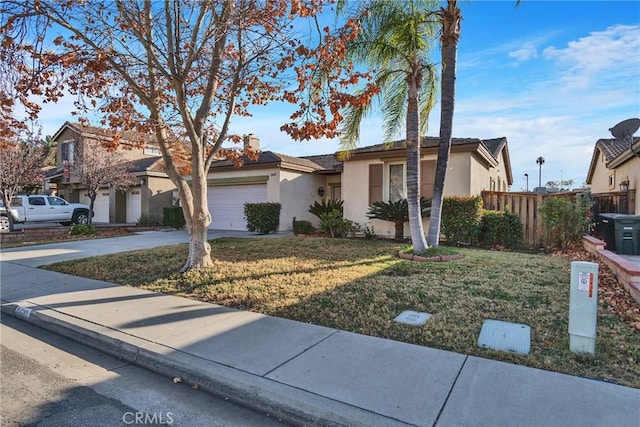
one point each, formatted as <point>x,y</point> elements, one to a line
<point>49,380</point>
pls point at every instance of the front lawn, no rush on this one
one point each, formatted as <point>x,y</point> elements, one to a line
<point>361,286</point>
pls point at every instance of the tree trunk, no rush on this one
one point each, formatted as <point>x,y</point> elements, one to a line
<point>7,207</point>
<point>199,248</point>
<point>399,231</point>
<point>92,202</point>
<point>413,164</point>
<point>451,18</point>
<point>198,218</point>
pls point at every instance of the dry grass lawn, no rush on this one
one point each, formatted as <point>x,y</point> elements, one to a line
<point>360,286</point>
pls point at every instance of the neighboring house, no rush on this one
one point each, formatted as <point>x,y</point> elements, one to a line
<point>146,199</point>
<point>614,168</point>
<point>294,182</point>
<point>378,173</point>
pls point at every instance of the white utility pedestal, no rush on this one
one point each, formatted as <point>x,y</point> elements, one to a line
<point>583,307</point>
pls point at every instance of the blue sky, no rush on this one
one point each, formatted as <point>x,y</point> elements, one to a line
<point>550,76</point>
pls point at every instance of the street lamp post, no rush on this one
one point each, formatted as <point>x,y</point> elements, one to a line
<point>526,175</point>
<point>540,162</point>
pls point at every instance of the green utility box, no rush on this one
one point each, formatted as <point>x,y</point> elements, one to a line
<point>627,229</point>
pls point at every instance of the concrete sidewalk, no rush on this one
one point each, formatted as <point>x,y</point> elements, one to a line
<point>300,372</point>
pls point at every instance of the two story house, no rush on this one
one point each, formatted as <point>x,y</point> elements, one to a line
<point>153,191</point>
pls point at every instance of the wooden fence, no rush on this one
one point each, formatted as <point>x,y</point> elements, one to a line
<point>526,206</point>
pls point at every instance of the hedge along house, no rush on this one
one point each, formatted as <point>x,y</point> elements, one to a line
<point>294,182</point>
<point>378,173</point>
<point>146,199</point>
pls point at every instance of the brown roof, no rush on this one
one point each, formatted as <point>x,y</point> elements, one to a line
<point>612,148</point>
<point>615,152</point>
<point>312,163</point>
<point>493,145</point>
<point>127,136</point>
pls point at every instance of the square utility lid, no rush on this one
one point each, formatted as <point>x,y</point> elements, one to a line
<point>412,318</point>
<point>505,336</point>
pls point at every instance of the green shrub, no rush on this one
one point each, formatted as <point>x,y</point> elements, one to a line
<point>333,224</point>
<point>499,228</point>
<point>84,229</point>
<point>327,206</point>
<point>302,227</point>
<point>566,219</point>
<point>262,218</point>
<point>459,220</point>
<point>398,213</point>
<point>145,220</point>
<point>173,217</point>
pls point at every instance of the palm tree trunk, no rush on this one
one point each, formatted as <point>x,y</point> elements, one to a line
<point>450,18</point>
<point>418,239</point>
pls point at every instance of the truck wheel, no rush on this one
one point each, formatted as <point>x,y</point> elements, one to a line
<point>4,224</point>
<point>81,217</point>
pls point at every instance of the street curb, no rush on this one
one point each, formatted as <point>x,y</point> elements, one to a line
<point>290,404</point>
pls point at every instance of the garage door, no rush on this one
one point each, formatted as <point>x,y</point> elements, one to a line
<point>134,205</point>
<point>226,204</point>
<point>100,207</point>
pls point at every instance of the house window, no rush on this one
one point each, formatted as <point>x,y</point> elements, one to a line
<point>375,183</point>
<point>67,151</point>
<point>612,181</point>
<point>396,182</point>
<point>152,150</point>
<point>492,184</point>
<point>336,192</point>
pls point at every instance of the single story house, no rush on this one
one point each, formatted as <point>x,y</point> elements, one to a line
<point>615,167</point>
<point>294,182</point>
<point>378,172</point>
<point>371,173</point>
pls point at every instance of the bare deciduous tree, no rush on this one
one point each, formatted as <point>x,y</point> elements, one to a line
<point>182,69</point>
<point>94,167</point>
<point>21,163</point>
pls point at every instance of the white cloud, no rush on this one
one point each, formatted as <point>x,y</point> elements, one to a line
<point>611,55</point>
<point>525,53</point>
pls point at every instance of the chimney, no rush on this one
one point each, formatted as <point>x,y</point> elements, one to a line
<point>251,141</point>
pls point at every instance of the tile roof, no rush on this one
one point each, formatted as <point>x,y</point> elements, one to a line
<point>131,136</point>
<point>612,148</point>
<point>315,163</point>
<point>427,142</point>
<point>151,164</point>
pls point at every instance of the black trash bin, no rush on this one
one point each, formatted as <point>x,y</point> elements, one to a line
<point>627,234</point>
<point>606,229</point>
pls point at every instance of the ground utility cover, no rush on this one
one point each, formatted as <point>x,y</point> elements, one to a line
<point>505,336</point>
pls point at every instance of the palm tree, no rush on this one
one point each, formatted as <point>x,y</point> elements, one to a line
<point>396,39</point>
<point>450,18</point>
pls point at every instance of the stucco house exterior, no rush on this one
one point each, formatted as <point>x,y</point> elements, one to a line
<point>146,199</point>
<point>615,168</point>
<point>294,182</point>
<point>378,172</point>
<point>371,173</point>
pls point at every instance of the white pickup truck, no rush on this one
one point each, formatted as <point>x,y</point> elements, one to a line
<point>41,208</point>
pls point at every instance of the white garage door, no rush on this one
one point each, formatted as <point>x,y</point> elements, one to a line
<point>100,207</point>
<point>226,204</point>
<point>134,205</point>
